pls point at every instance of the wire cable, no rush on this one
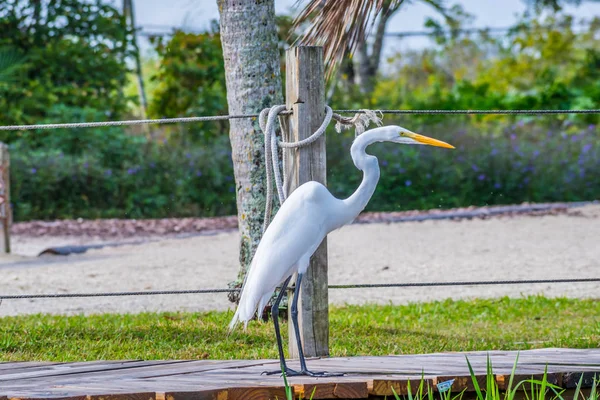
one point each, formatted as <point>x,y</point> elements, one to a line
<point>348,286</point>
<point>77,125</point>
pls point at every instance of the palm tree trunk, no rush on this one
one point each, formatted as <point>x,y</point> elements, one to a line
<point>249,40</point>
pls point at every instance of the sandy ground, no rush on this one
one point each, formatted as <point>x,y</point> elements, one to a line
<point>522,247</point>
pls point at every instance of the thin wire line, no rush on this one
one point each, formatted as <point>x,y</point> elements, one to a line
<point>228,117</point>
<point>487,112</point>
<point>349,286</point>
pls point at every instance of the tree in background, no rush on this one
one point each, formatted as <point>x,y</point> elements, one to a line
<point>190,81</point>
<point>252,71</point>
<point>75,53</point>
<point>555,5</point>
<point>343,29</point>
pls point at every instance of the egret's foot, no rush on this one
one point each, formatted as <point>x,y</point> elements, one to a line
<point>322,374</point>
<point>288,372</point>
<point>291,372</point>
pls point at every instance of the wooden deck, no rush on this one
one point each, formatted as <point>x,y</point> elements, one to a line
<point>242,379</point>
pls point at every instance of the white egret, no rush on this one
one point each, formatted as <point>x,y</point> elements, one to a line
<point>303,220</point>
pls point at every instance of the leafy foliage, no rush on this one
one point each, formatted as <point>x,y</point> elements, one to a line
<point>74,52</point>
<point>539,65</point>
<point>104,172</point>
<point>56,67</point>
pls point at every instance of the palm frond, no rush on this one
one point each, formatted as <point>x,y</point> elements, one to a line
<point>338,25</point>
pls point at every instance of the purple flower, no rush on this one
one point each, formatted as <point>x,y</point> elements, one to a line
<point>587,147</point>
<point>188,155</point>
<point>153,165</point>
<point>526,180</point>
<point>497,185</point>
<point>513,136</point>
<point>408,182</point>
<point>86,165</point>
<point>131,171</point>
<point>494,152</point>
<point>592,127</point>
<point>231,189</point>
<point>474,167</point>
<point>108,172</point>
<point>384,163</point>
<point>481,177</point>
<point>33,170</point>
<point>198,173</point>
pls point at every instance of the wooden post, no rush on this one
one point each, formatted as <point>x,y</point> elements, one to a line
<point>305,96</point>
<point>5,211</point>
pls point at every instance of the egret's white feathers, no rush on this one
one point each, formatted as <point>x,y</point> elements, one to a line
<point>294,234</point>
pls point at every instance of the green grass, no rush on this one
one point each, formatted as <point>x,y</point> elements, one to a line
<point>500,324</point>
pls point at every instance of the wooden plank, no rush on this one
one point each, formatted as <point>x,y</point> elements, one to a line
<point>81,368</point>
<point>571,379</point>
<point>305,96</point>
<point>46,395</point>
<point>257,393</point>
<point>464,382</point>
<point>332,390</point>
<point>213,379</point>
<point>124,396</point>
<point>216,394</point>
<point>383,387</point>
<point>504,379</point>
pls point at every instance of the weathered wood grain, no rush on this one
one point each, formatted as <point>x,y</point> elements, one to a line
<point>256,393</point>
<point>305,96</point>
<point>503,380</point>
<point>241,379</point>
<point>332,390</point>
<point>383,387</point>
<point>124,396</point>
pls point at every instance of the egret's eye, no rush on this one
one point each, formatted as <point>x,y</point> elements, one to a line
<point>401,133</point>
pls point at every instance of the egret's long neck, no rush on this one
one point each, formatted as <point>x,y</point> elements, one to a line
<point>370,167</point>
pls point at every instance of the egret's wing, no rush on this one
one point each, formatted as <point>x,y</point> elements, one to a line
<point>295,232</point>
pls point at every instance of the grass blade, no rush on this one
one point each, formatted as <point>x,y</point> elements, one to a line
<point>578,388</point>
<point>474,379</point>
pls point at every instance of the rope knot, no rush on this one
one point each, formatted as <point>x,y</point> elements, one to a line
<point>360,121</point>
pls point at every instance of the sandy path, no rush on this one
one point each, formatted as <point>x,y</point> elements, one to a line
<point>524,247</point>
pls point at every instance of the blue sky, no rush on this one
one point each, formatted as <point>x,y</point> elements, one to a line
<point>197,14</point>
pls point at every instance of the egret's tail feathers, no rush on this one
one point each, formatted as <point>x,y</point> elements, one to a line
<point>236,320</point>
<point>246,309</point>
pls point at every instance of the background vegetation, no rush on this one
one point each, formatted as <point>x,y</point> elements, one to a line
<point>71,61</point>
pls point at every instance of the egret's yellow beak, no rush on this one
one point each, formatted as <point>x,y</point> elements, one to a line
<point>427,140</point>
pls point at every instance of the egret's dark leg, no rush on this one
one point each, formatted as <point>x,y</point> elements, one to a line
<point>294,312</point>
<point>275,316</point>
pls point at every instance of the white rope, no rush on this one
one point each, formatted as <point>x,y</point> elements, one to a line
<point>266,121</point>
<point>123,123</point>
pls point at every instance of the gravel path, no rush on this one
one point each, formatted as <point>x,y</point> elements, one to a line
<point>518,247</point>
